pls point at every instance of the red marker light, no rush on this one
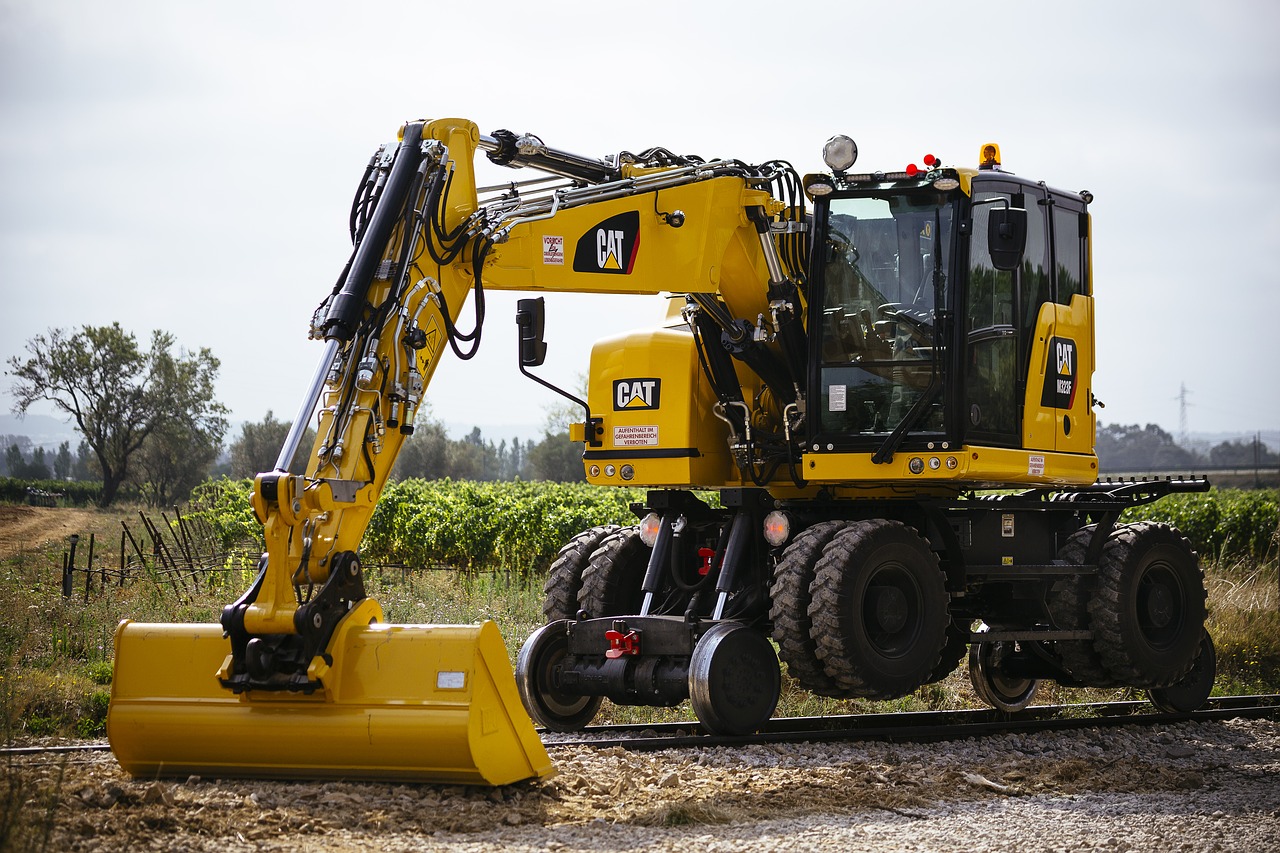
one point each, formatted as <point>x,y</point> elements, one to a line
<point>913,170</point>
<point>930,160</point>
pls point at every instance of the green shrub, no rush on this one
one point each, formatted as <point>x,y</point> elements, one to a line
<point>1222,524</point>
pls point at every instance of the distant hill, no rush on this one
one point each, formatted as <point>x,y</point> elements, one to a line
<point>44,430</point>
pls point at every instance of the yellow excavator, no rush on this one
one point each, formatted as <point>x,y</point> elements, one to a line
<point>866,429</point>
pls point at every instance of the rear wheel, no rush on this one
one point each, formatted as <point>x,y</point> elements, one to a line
<point>1000,691</point>
<point>879,609</point>
<point>564,579</point>
<point>1191,692</point>
<point>1148,610</point>
<point>1069,606</point>
<point>792,626</point>
<point>538,679</point>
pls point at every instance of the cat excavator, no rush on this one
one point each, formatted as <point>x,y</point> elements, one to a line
<point>865,426</point>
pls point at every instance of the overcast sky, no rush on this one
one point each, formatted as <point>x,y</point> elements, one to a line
<point>189,167</point>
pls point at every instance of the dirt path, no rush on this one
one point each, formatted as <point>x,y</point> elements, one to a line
<point>25,527</point>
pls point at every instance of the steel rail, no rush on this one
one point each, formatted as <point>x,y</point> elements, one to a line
<point>917,726</point>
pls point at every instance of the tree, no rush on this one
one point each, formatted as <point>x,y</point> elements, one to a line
<point>175,459</point>
<point>117,394</point>
<point>259,445</point>
<point>558,458</point>
<point>62,462</point>
<point>1135,448</point>
<point>424,454</point>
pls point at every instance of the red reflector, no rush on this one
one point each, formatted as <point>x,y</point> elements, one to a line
<point>913,170</point>
<point>930,160</point>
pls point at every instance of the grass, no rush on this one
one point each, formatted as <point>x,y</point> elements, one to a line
<point>56,654</point>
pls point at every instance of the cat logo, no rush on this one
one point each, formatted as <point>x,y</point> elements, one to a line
<point>1060,386</point>
<point>609,247</point>
<point>636,394</point>
<point>1066,351</point>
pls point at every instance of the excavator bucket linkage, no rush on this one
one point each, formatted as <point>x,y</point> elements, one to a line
<point>429,703</point>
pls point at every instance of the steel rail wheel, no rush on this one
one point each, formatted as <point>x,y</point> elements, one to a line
<point>1000,691</point>
<point>1149,608</point>
<point>538,679</point>
<point>879,609</point>
<point>734,680</point>
<point>564,578</point>
<point>1191,692</point>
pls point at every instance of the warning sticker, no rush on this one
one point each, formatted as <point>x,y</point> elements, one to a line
<point>836,400</point>
<point>635,436</point>
<point>1035,466</point>
<point>552,250</point>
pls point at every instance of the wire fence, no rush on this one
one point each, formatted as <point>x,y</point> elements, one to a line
<point>184,554</point>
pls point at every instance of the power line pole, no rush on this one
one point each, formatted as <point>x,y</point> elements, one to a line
<point>1183,438</point>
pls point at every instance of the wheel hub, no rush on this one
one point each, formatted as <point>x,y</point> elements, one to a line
<point>890,608</point>
<point>1159,605</point>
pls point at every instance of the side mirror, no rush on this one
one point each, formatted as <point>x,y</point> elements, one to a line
<point>531,318</point>
<point>1006,237</point>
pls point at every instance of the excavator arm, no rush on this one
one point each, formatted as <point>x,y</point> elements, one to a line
<point>302,677</point>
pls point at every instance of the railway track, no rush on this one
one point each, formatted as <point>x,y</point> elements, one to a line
<point>915,726</point>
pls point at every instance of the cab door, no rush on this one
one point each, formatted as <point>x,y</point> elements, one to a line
<point>1001,319</point>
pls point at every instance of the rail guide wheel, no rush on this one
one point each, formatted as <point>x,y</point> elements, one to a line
<point>1000,691</point>
<point>734,680</point>
<point>538,679</point>
<point>1191,692</point>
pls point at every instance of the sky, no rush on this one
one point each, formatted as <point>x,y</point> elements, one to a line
<point>189,167</point>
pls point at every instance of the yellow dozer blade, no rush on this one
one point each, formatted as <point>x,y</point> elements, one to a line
<point>429,703</point>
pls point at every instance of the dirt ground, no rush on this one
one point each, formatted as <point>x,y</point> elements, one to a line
<point>26,527</point>
<point>1210,785</point>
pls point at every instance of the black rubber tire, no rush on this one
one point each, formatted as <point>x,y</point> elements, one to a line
<point>953,651</point>
<point>1191,692</point>
<point>611,581</point>
<point>993,687</point>
<point>1068,603</point>
<point>536,671</point>
<point>564,578</point>
<point>734,680</point>
<point>1148,610</point>
<point>879,609</point>
<point>789,610</point>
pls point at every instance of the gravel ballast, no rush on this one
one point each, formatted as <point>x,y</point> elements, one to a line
<point>1188,786</point>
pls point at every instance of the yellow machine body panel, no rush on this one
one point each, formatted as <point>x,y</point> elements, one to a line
<point>968,467</point>
<point>656,410</point>
<point>431,703</point>
<point>1058,409</point>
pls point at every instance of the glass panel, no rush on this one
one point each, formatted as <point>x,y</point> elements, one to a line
<point>886,273</point>
<point>991,376</point>
<point>1068,246</point>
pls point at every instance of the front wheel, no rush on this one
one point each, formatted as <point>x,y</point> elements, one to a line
<point>880,610</point>
<point>538,679</point>
<point>734,680</point>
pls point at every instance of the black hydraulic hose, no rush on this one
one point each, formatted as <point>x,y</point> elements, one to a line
<point>347,306</point>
